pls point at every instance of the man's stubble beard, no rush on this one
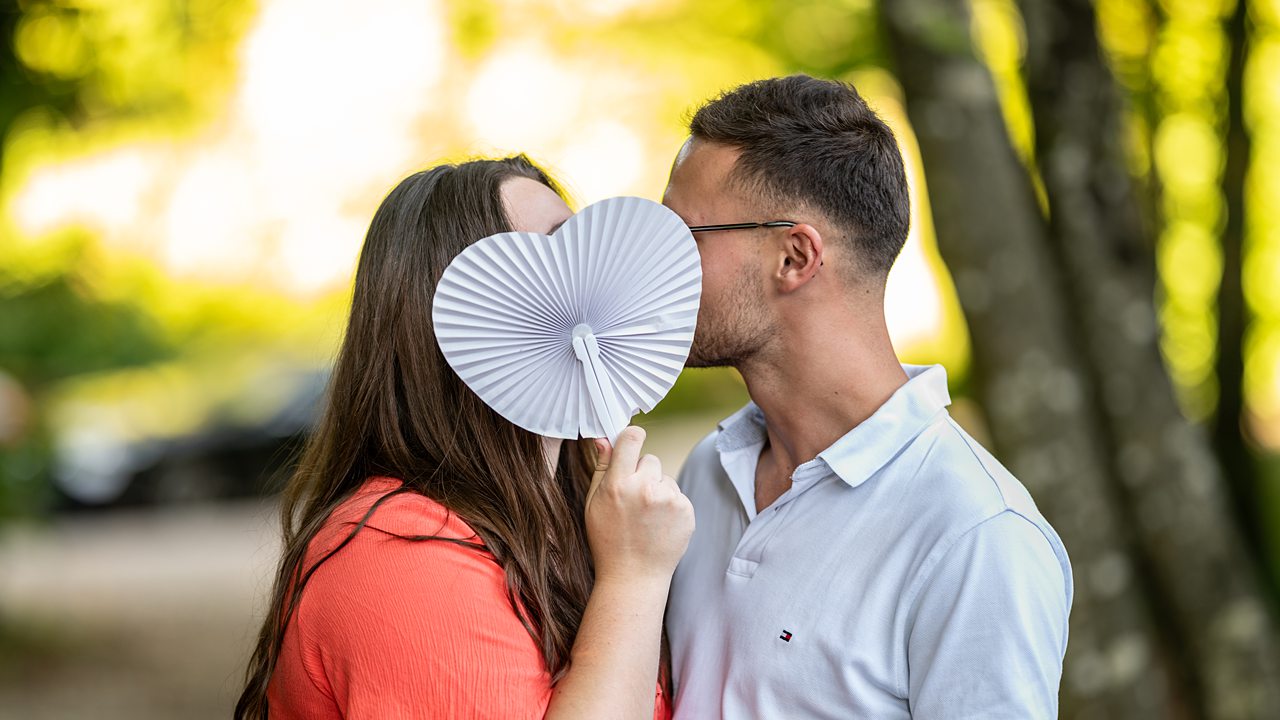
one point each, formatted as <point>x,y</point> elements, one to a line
<point>731,332</point>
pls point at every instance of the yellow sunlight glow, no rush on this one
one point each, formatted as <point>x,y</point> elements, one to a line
<point>332,106</point>
<point>326,111</point>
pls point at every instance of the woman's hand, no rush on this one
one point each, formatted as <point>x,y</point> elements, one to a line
<point>638,526</point>
<point>638,522</point>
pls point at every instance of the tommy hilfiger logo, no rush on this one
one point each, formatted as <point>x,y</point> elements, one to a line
<point>785,636</point>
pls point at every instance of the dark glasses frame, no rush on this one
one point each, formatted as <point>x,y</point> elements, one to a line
<point>742,226</point>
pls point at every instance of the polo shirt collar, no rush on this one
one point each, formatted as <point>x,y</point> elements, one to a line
<point>742,429</point>
<point>870,445</point>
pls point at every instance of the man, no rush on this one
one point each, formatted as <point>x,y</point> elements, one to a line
<point>857,554</point>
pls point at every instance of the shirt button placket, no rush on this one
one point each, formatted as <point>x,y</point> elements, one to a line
<point>746,559</point>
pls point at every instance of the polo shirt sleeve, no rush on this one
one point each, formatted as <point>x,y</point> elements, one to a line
<point>989,626</point>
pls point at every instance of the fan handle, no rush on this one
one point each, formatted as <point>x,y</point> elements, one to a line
<point>587,351</point>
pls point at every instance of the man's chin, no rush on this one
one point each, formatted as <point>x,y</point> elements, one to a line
<point>699,361</point>
<point>713,354</point>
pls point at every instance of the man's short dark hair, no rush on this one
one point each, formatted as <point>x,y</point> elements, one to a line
<point>817,142</point>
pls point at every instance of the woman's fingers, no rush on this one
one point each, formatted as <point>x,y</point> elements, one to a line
<point>623,457</point>
<point>639,525</point>
<point>650,468</point>
<point>604,452</point>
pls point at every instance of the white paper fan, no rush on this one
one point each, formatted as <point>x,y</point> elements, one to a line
<point>574,333</point>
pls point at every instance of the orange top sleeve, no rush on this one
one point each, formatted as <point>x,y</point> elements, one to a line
<point>394,628</point>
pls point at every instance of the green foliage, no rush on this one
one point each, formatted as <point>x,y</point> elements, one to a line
<point>52,329</point>
<point>57,329</point>
<point>824,38</point>
<point>144,57</point>
<point>65,64</point>
<point>24,468</point>
<point>715,392</point>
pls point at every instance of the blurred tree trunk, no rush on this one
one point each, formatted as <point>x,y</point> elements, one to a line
<point>1168,620</point>
<point>1147,106</point>
<point>1228,434</point>
<point>1030,380</point>
<point>1206,577</point>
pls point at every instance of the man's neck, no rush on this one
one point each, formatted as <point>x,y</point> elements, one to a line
<point>814,385</point>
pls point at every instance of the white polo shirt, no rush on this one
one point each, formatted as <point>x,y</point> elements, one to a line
<point>905,573</point>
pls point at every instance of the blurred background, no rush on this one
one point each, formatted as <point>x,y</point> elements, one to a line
<point>184,187</point>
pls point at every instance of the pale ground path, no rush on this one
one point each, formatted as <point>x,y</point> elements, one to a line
<point>153,611</point>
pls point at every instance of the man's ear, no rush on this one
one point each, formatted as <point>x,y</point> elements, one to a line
<point>801,257</point>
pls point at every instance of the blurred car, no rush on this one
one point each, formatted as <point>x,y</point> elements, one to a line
<point>181,432</point>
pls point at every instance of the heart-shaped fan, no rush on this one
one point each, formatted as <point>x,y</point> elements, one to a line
<point>574,333</point>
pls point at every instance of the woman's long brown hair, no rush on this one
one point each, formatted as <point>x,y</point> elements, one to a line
<point>395,408</point>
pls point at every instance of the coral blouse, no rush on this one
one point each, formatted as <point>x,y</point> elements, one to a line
<point>393,628</point>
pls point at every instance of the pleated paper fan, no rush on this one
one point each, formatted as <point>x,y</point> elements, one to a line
<point>572,334</point>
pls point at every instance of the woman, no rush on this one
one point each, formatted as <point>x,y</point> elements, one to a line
<point>439,561</point>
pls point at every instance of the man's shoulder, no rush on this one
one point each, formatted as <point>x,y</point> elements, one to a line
<point>963,490</point>
<point>959,486</point>
<point>957,476</point>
